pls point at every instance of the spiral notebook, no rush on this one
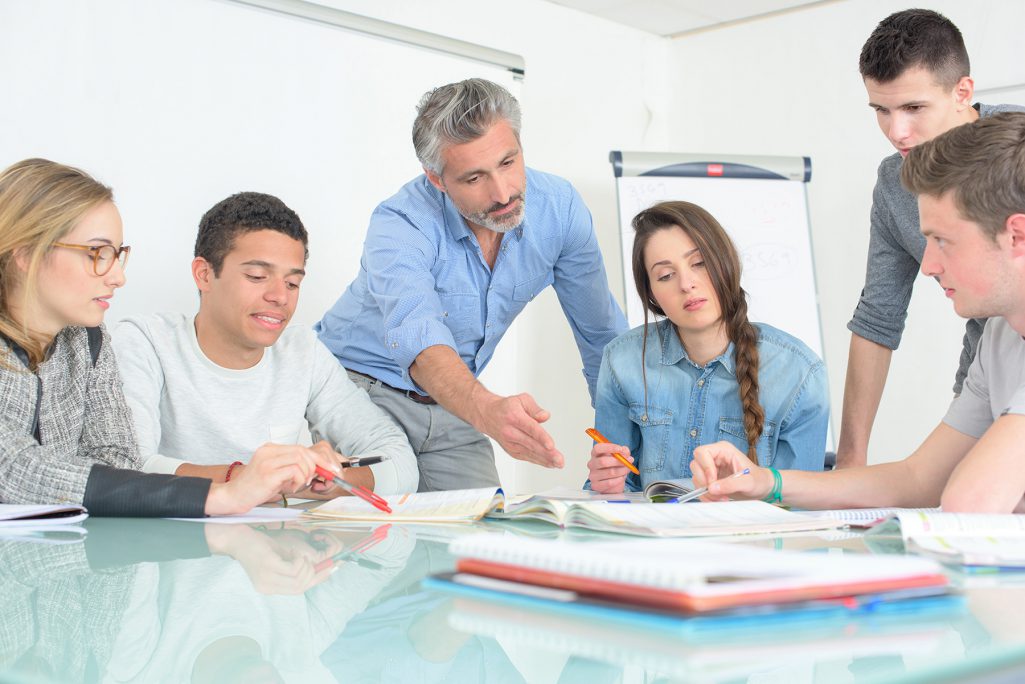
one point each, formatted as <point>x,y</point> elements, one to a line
<point>691,576</point>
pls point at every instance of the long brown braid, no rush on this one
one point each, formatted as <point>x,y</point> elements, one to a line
<point>723,265</point>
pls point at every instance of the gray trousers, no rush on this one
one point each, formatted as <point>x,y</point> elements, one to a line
<point>449,452</point>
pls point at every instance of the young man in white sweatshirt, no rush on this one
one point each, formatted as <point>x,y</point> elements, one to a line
<point>206,391</point>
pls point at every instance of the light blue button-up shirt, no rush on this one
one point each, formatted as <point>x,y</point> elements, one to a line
<point>423,281</point>
<point>690,405</point>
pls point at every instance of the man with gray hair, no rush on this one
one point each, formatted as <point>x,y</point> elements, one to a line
<point>448,263</point>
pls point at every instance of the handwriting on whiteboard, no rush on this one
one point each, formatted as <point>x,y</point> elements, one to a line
<point>768,261</point>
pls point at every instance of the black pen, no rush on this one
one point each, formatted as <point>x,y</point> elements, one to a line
<point>356,461</point>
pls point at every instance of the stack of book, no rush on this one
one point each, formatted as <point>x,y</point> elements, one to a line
<point>660,582</point>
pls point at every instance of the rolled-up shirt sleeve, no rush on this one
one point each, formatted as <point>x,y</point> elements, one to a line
<point>889,279</point>
<point>398,263</point>
<point>582,286</point>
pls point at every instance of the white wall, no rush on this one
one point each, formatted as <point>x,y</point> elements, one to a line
<point>790,85</point>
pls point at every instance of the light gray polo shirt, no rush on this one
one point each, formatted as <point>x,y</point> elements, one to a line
<point>995,385</point>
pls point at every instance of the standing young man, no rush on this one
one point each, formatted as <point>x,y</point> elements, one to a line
<point>207,391</point>
<point>448,263</point>
<point>970,184</point>
<point>916,71</point>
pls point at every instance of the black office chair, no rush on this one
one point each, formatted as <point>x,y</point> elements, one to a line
<point>830,461</point>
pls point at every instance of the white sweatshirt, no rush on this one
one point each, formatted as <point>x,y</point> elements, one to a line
<point>186,408</point>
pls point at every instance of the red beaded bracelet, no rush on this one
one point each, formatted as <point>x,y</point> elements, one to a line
<point>227,475</point>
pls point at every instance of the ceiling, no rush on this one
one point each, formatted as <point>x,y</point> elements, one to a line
<point>673,18</point>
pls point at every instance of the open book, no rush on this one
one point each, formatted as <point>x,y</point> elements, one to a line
<point>625,517</point>
<point>689,576</point>
<point>23,515</point>
<point>668,489</point>
<point>971,539</point>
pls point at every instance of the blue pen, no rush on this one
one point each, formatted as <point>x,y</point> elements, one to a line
<point>704,490</point>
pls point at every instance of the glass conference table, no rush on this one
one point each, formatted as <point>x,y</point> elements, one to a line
<point>169,601</point>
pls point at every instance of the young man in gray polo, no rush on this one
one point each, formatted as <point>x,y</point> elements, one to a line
<point>916,71</point>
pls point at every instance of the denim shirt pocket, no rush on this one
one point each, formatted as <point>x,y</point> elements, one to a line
<point>655,425</point>
<point>527,289</point>
<point>732,430</point>
<point>460,312</point>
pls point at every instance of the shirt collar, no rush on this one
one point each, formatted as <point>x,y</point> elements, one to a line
<point>673,351</point>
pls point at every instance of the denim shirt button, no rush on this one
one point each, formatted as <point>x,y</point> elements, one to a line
<point>701,382</point>
<point>693,432</point>
<point>644,418</point>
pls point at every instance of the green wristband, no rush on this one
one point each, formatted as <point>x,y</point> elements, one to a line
<point>776,495</point>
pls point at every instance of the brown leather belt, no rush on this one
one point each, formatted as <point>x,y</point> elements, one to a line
<point>410,394</point>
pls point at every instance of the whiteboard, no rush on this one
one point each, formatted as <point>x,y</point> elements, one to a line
<point>763,207</point>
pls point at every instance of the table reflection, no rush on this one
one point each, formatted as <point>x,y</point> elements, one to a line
<point>159,600</point>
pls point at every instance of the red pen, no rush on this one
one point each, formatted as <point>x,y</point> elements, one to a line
<point>362,492</point>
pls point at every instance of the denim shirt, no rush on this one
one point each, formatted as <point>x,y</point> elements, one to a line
<point>690,405</point>
<point>423,281</point>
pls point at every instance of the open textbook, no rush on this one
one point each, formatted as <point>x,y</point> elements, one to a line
<point>685,576</point>
<point>971,539</point>
<point>669,489</point>
<point>625,517</point>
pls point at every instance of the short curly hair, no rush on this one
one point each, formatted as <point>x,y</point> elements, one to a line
<point>245,212</point>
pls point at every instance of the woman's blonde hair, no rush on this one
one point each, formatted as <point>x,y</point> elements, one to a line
<point>40,202</point>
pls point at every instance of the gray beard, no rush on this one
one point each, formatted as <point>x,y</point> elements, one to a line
<point>510,223</point>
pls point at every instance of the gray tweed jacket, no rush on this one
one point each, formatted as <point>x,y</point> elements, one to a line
<point>83,421</point>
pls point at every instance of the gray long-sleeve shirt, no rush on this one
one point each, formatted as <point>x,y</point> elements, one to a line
<point>895,250</point>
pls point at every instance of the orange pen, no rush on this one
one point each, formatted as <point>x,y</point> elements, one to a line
<point>599,437</point>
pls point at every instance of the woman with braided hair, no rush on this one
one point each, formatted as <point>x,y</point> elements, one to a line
<point>701,372</point>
